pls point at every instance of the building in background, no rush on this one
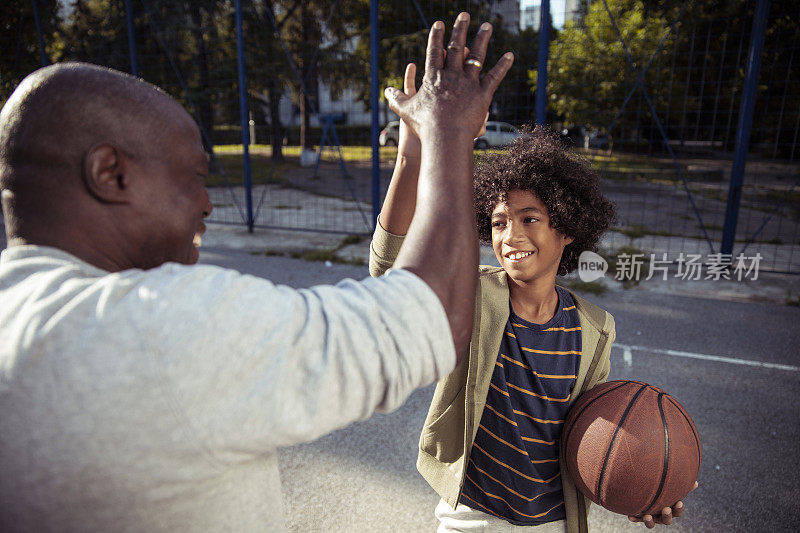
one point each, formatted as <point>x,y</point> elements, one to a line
<point>509,11</point>
<point>560,12</point>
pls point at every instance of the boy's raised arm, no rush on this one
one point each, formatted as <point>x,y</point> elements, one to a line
<point>401,196</point>
<point>441,244</point>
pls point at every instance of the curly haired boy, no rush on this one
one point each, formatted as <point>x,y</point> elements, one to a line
<point>489,445</point>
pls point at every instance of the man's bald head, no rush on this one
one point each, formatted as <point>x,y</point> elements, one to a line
<point>58,113</point>
<point>102,165</point>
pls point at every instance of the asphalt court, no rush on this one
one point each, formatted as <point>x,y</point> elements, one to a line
<point>733,365</point>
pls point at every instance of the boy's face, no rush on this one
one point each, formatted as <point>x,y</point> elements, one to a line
<point>525,244</point>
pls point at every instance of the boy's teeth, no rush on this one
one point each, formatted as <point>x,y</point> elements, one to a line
<point>518,255</point>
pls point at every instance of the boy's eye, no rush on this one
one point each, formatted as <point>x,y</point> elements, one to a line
<point>498,224</point>
<point>529,220</point>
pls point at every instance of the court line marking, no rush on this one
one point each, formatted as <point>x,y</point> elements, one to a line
<point>627,350</point>
<point>627,356</point>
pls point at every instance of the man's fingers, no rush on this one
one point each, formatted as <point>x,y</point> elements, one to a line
<point>410,80</point>
<point>493,78</point>
<point>434,56</point>
<point>666,516</point>
<point>475,58</point>
<point>458,40</point>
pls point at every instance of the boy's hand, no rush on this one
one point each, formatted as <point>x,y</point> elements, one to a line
<point>452,100</point>
<point>408,144</point>
<point>666,516</point>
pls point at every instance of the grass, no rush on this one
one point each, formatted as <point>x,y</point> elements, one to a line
<point>612,257</point>
<point>792,302</point>
<point>351,239</point>
<point>323,255</point>
<point>262,170</point>
<point>634,231</point>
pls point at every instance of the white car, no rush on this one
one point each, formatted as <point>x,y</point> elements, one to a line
<point>390,134</point>
<point>497,134</point>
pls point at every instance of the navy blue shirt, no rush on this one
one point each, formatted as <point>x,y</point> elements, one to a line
<point>513,470</point>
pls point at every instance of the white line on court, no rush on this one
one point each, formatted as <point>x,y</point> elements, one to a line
<point>628,348</point>
<point>627,356</point>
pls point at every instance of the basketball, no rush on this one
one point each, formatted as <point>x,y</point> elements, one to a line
<point>631,448</point>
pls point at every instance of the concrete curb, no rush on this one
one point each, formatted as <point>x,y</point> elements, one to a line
<point>768,287</point>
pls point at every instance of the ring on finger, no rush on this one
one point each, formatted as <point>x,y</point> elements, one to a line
<point>474,62</point>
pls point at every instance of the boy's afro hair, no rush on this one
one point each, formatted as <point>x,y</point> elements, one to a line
<point>539,161</point>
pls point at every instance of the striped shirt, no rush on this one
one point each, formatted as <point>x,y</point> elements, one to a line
<point>513,470</point>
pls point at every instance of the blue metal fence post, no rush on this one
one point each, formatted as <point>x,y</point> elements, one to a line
<point>374,87</point>
<point>244,116</point>
<point>745,124</point>
<point>38,21</point>
<point>544,52</point>
<point>131,37</point>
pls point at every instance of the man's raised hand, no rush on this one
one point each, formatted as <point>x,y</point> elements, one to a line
<point>452,100</point>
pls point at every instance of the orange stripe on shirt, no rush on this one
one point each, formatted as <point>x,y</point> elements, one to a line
<point>552,352</point>
<point>570,308</point>
<point>540,420</point>
<point>509,489</point>
<point>548,398</point>
<point>492,409</point>
<point>481,505</point>
<point>509,505</point>
<point>498,389</point>
<point>520,450</point>
<point>538,441</point>
<point>563,329</point>
<point>548,376</point>
<point>501,463</point>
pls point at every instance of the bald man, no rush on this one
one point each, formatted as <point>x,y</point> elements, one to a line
<point>139,392</point>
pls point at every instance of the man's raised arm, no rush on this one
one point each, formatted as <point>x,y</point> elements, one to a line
<point>442,245</point>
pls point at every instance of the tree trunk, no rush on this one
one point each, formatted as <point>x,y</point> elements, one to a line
<point>275,121</point>
<point>306,31</point>
<point>305,123</point>
<point>205,109</point>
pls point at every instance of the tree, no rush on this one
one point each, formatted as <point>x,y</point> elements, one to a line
<point>19,41</point>
<point>403,38</point>
<point>588,72</point>
<point>318,37</point>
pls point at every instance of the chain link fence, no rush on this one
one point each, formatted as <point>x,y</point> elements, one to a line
<point>656,94</point>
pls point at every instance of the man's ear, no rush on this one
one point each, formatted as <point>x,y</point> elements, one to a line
<point>104,174</point>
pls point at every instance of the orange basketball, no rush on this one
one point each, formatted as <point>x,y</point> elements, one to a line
<point>631,448</point>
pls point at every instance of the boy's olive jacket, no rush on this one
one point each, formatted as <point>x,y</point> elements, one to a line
<point>459,399</point>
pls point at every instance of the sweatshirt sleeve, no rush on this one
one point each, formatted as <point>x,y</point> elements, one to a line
<point>254,366</point>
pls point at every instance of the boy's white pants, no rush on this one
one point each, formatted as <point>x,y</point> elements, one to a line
<point>467,520</point>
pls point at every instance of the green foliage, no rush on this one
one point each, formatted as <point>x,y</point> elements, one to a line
<point>589,71</point>
<point>19,44</point>
<point>403,38</point>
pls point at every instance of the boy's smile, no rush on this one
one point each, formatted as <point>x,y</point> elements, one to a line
<point>517,256</point>
<point>525,244</point>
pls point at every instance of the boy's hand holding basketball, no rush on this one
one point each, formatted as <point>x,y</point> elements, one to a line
<point>666,516</point>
